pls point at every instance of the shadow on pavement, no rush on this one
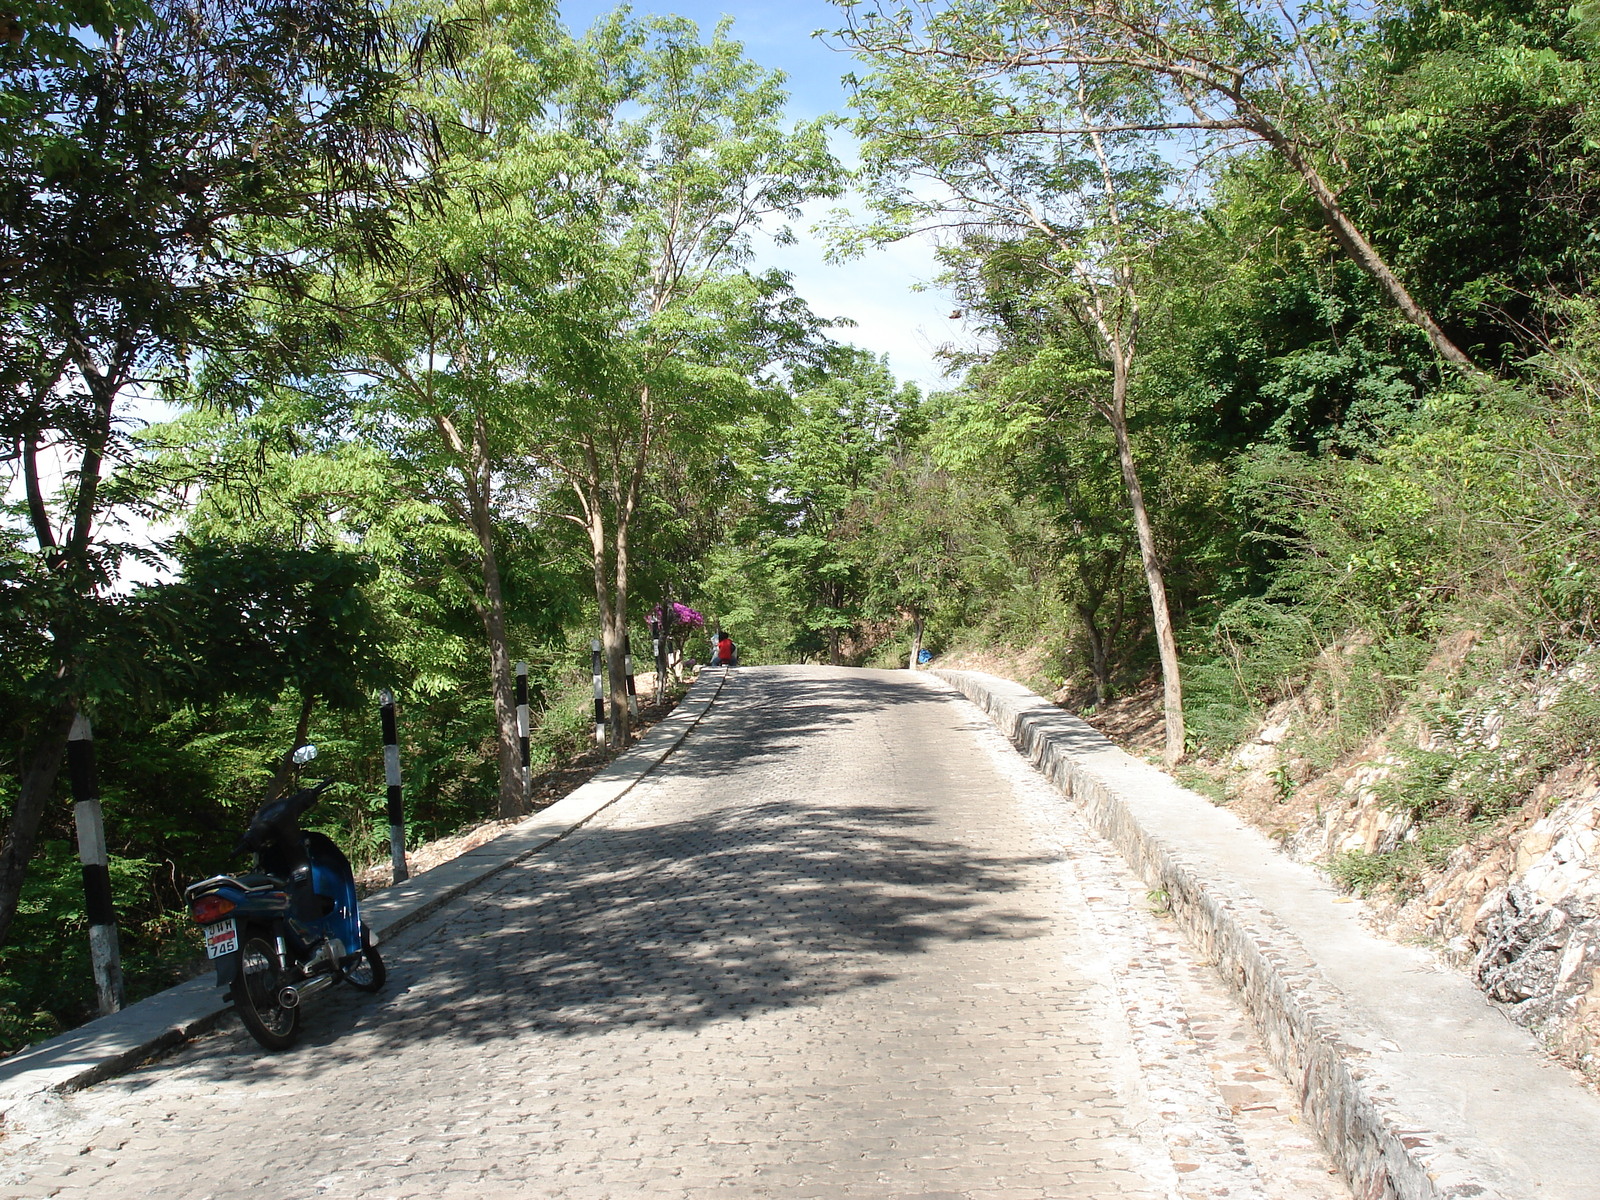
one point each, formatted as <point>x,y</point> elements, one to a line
<point>766,714</point>
<point>777,901</point>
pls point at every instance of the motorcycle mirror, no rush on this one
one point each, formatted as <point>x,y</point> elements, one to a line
<point>304,754</point>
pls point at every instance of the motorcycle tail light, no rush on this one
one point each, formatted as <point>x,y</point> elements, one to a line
<point>208,910</point>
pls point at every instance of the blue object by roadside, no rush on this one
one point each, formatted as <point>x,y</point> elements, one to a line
<point>924,656</point>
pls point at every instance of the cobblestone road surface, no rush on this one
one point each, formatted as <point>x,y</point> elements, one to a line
<point>844,944</point>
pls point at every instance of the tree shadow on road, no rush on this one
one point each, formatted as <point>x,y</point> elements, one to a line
<point>765,714</point>
<point>780,901</point>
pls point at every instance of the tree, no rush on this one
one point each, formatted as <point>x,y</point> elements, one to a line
<point>696,158</point>
<point>443,356</point>
<point>140,207</point>
<point>260,618</point>
<point>1241,69</point>
<point>1001,424</point>
<point>827,453</point>
<point>907,537</point>
<point>1054,233</point>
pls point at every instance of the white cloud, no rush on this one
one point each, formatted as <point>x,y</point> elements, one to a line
<point>887,291</point>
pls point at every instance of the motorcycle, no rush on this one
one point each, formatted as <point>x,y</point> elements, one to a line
<point>290,928</point>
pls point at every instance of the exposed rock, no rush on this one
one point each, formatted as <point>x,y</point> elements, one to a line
<point>1522,948</point>
<point>1254,754</point>
<point>1274,732</point>
<point>1519,908</point>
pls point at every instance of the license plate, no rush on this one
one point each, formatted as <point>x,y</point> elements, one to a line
<point>222,938</point>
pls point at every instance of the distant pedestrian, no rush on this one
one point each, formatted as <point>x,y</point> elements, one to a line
<point>724,653</point>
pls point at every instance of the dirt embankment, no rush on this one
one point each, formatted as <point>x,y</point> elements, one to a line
<point>1464,836</point>
<point>549,785</point>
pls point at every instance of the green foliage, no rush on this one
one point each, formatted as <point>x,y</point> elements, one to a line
<point>269,617</point>
<point>1257,652</point>
<point>1271,338</point>
<point>1399,873</point>
<point>799,575</point>
<point>1476,153</point>
<point>1478,764</point>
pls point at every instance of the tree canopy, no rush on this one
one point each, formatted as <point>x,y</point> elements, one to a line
<point>352,346</point>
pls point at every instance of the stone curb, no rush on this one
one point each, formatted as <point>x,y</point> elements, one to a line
<point>1418,1088</point>
<point>109,1046</point>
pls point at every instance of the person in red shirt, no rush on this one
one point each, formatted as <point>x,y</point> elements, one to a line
<point>725,654</point>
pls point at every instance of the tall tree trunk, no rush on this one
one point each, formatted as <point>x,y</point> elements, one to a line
<point>1097,582</point>
<point>478,481</point>
<point>1166,643</point>
<point>37,785</point>
<point>916,642</point>
<point>616,641</point>
<point>664,632</point>
<point>1099,651</point>
<point>594,524</point>
<point>836,602</point>
<point>492,610</point>
<point>42,761</point>
<point>1103,640</point>
<point>507,748</point>
<point>1362,253</point>
<point>1119,611</point>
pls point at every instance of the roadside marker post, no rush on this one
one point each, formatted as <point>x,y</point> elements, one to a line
<point>391,777</point>
<point>522,729</point>
<point>627,670</point>
<point>599,696</point>
<point>104,950</point>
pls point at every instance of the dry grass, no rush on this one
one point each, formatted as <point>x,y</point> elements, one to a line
<point>548,787</point>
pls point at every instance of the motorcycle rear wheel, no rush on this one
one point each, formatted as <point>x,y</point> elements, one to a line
<point>255,994</point>
<point>367,974</point>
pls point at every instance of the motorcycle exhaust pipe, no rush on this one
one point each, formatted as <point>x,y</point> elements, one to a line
<point>290,996</point>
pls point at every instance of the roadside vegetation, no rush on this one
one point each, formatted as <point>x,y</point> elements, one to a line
<point>425,338</point>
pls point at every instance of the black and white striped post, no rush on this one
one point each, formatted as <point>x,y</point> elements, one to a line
<point>391,776</point>
<point>522,730</point>
<point>599,695</point>
<point>627,671</point>
<point>104,951</point>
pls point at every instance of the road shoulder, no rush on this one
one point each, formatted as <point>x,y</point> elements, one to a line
<point>1417,1086</point>
<point>109,1046</point>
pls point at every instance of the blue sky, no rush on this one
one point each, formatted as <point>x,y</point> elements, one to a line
<point>774,35</point>
<point>877,291</point>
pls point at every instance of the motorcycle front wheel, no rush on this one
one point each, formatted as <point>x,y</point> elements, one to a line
<point>367,973</point>
<point>255,994</point>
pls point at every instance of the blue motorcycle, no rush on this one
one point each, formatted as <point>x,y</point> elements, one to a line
<point>288,929</point>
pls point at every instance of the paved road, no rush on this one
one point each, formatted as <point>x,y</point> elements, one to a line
<point>844,944</point>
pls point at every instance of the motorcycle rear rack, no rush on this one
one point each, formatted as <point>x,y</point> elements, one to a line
<point>262,883</point>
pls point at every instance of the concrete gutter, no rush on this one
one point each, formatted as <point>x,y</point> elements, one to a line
<point>111,1045</point>
<point>1418,1086</point>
